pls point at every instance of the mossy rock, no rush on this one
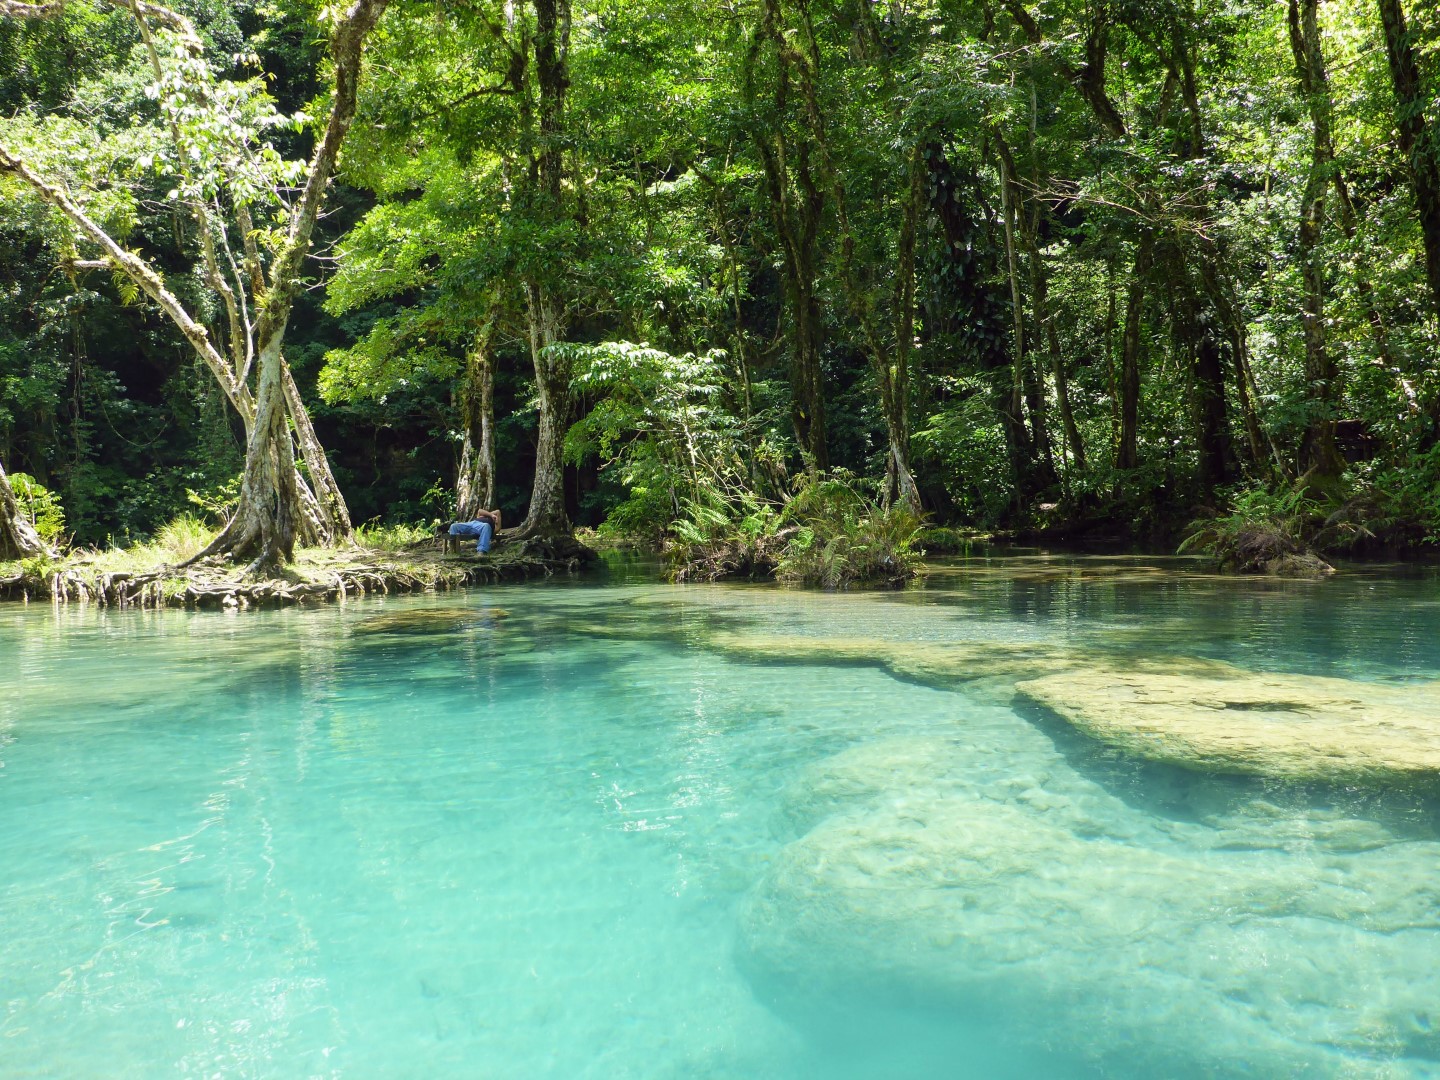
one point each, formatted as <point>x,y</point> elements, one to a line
<point>1284,726</point>
<point>1304,564</point>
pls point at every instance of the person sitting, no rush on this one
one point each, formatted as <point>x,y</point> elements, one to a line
<point>483,528</point>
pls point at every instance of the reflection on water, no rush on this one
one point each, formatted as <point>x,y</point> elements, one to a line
<point>625,829</point>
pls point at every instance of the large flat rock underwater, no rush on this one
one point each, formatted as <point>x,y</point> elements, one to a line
<point>1233,721</point>
<point>1052,923</point>
<point>1192,712</point>
<point>941,664</point>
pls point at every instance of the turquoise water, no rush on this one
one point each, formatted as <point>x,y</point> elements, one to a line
<point>625,830</point>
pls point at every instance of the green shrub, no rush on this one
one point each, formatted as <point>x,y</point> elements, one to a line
<point>642,517</point>
<point>721,537</point>
<point>1394,507</point>
<point>941,540</point>
<point>217,501</point>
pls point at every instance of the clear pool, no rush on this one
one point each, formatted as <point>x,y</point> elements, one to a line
<point>627,830</point>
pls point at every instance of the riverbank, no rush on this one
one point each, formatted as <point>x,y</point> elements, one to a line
<point>318,575</point>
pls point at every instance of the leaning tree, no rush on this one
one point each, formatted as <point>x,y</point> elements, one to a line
<point>252,240</point>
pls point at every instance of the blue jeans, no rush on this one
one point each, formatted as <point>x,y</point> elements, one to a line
<point>481,530</point>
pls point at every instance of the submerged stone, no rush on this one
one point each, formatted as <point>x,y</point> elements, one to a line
<point>942,664</point>
<point>1283,726</point>
<point>427,620</point>
<point>1045,928</point>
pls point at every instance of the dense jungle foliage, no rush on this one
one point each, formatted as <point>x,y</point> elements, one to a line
<point>771,283</point>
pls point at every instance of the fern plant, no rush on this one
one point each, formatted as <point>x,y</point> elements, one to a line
<point>40,506</point>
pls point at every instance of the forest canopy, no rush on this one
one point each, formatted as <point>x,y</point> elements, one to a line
<point>764,281</point>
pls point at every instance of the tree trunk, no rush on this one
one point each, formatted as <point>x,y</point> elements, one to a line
<point>796,216</point>
<point>895,379</point>
<point>1040,293</point>
<point>1040,298</point>
<point>546,517</point>
<point>1026,394</point>
<point>1318,456</point>
<point>1128,454</point>
<point>1112,379</point>
<point>1212,423</point>
<point>265,521</point>
<point>1220,291</point>
<point>18,538</point>
<point>1349,225</point>
<point>333,516</point>
<point>1417,137</point>
<point>475,489</point>
<point>796,204</point>
<point>807,383</point>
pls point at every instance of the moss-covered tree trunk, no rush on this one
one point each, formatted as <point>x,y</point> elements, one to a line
<point>1027,393</point>
<point>1212,420</point>
<point>895,375</point>
<point>1127,453</point>
<point>18,538</point>
<point>547,517</point>
<point>796,202</point>
<point>331,513</point>
<point>265,522</point>
<point>1044,317</point>
<point>475,486</point>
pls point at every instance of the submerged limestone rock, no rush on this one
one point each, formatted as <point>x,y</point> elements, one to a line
<point>427,620</point>
<point>1284,726</point>
<point>942,664</point>
<point>1047,927</point>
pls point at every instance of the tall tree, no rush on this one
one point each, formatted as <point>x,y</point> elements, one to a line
<point>544,308</point>
<point>263,526</point>
<point>1319,458</point>
<point>777,70</point>
<point>1089,79</point>
<point>880,226</point>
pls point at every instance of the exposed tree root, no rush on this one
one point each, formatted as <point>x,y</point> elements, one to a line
<point>558,550</point>
<point>317,576</point>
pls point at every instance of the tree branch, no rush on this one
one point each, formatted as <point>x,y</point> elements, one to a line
<point>137,270</point>
<point>346,45</point>
<point>1088,79</point>
<point>14,9</point>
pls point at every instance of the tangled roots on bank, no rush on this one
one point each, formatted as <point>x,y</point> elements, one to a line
<point>213,584</point>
